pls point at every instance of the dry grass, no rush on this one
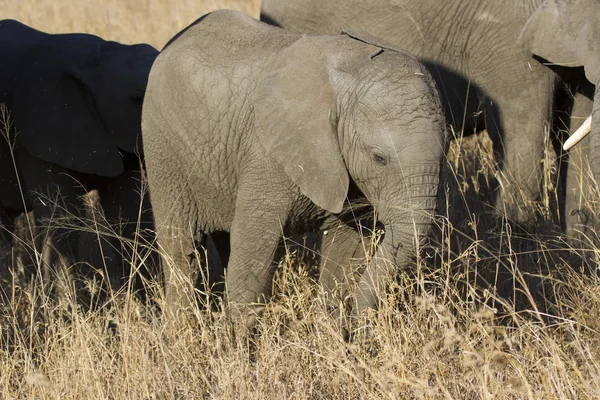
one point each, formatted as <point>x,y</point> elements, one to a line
<point>489,311</point>
<point>127,21</point>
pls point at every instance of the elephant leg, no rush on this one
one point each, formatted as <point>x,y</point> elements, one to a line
<point>128,212</point>
<point>208,264</point>
<point>256,229</point>
<point>217,255</point>
<point>176,244</point>
<point>57,241</point>
<point>335,253</point>
<point>56,198</point>
<point>344,251</point>
<point>519,137</point>
<point>7,225</point>
<point>579,186</point>
<point>94,247</point>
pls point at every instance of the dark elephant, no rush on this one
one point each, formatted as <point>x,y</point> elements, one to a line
<point>260,132</point>
<point>567,33</point>
<point>487,80</point>
<point>75,103</point>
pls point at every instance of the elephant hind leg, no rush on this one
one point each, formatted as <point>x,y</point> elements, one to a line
<point>214,251</point>
<point>96,248</point>
<point>176,246</point>
<point>55,195</point>
<point>127,213</point>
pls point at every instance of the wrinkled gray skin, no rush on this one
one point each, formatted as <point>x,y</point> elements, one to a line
<point>486,79</point>
<point>568,33</point>
<point>75,101</point>
<point>259,132</point>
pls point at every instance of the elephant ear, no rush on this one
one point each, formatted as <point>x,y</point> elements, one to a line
<point>57,122</point>
<point>564,33</point>
<point>296,120</point>
<point>116,76</point>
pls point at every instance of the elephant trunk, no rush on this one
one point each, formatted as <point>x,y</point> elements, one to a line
<point>595,138</point>
<point>406,225</point>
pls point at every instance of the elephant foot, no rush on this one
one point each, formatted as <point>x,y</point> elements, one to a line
<point>517,206</point>
<point>244,317</point>
<point>582,227</point>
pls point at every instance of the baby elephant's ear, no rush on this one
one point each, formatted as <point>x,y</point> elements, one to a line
<point>295,118</point>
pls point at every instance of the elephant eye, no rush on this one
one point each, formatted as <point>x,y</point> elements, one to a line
<point>379,158</point>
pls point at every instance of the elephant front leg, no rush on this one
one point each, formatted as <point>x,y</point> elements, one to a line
<point>344,251</point>
<point>579,218</point>
<point>519,142</point>
<point>127,208</point>
<point>57,238</point>
<point>55,194</point>
<point>256,229</point>
<point>579,185</point>
<point>7,225</point>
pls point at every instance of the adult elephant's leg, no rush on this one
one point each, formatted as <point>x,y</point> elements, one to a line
<point>579,185</point>
<point>7,225</point>
<point>258,224</point>
<point>94,247</point>
<point>127,208</point>
<point>217,249</point>
<point>6,239</point>
<point>56,197</point>
<point>518,119</point>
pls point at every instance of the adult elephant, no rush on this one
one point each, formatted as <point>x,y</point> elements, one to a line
<point>487,80</point>
<point>260,132</point>
<point>568,33</point>
<point>75,103</point>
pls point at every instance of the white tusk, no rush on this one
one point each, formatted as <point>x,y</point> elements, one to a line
<point>579,134</point>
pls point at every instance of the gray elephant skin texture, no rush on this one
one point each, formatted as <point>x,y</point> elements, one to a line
<point>567,33</point>
<point>259,132</point>
<point>486,79</point>
<point>75,101</point>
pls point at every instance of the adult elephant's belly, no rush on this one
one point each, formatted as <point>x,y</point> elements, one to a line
<point>12,195</point>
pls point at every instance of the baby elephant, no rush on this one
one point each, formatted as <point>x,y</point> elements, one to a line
<point>260,132</point>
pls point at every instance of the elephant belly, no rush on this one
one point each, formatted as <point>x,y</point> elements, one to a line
<point>10,193</point>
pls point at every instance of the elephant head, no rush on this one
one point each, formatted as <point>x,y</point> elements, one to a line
<point>567,33</point>
<point>369,115</point>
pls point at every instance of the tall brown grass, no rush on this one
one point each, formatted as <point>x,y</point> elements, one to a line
<point>489,310</point>
<point>127,21</point>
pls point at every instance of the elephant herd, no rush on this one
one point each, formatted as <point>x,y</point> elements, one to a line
<point>268,129</point>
